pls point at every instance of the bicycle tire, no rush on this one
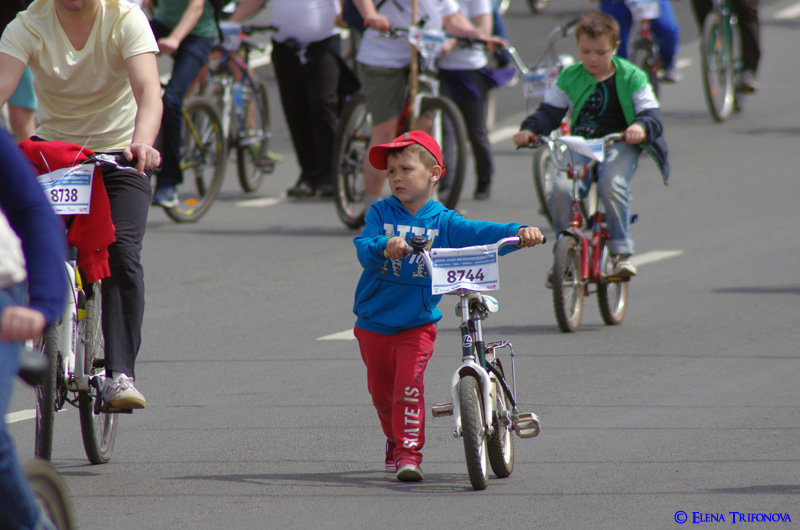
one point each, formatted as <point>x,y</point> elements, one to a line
<point>643,55</point>
<point>568,287</point>
<point>99,431</point>
<point>47,395</point>
<point>717,67</point>
<point>544,172</point>
<point>537,6</point>
<point>473,431</point>
<point>51,494</point>
<point>453,141</point>
<point>501,441</point>
<point>350,146</point>
<point>612,296</point>
<point>736,51</point>
<point>252,143</point>
<point>202,158</point>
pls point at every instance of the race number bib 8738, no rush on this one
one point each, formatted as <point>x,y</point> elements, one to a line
<point>473,268</point>
<point>69,189</point>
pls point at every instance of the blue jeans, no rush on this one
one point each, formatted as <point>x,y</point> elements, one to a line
<point>189,59</point>
<point>17,507</point>
<point>613,191</point>
<point>665,29</point>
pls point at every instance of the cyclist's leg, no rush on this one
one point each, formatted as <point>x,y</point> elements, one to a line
<point>667,34</point>
<point>378,354</point>
<point>123,291</point>
<point>189,59</point>
<point>749,26</point>
<point>613,178</point>
<point>560,199</point>
<point>17,505</point>
<point>701,8</point>
<point>622,15</point>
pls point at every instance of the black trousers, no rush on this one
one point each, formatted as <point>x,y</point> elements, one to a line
<point>123,292</point>
<point>308,81</point>
<point>747,13</point>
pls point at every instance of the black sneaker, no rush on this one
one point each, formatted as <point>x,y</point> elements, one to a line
<point>301,190</point>
<point>326,190</point>
<point>482,192</point>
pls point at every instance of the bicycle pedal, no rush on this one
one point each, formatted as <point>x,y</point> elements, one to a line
<point>115,410</point>
<point>526,425</point>
<point>442,409</point>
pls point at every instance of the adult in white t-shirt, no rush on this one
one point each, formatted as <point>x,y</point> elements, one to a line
<point>383,62</point>
<point>96,79</point>
<point>309,69</point>
<point>465,80</point>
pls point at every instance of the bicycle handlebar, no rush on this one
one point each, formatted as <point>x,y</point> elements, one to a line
<point>551,144</point>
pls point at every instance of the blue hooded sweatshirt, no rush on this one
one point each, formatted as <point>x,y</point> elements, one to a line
<point>394,295</point>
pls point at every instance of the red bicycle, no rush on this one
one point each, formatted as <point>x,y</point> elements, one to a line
<point>581,257</point>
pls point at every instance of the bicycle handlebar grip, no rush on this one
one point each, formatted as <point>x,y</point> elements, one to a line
<point>418,243</point>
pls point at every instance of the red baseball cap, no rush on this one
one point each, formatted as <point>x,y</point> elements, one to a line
<point>378,153</point>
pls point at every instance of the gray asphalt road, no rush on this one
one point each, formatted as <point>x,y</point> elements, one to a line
<point>691,405</point>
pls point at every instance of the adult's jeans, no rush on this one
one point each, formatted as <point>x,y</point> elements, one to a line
<point>188,60</point>
<point>665,29</point>
<point>123,291</point>
<point>613,190</point>
<point>17,505</point>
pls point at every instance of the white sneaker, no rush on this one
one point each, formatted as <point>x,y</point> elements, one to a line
<point>623,268</point>
<point>121,394</point>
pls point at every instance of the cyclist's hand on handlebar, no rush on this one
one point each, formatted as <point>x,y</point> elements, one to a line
<point>20,323</point>
<point>524,138</point>
<point>634,134</point>
<point>396,248</point>
<point>147,157</point>
<point>377,22</point>
<point>530,236</point>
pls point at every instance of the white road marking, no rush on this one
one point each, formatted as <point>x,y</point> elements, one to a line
<point>342,335</point>
<point>503,133</point>
<point>792,11</point>
<point>20,415</point>
<point>639,259</point>
<point>259,203</point>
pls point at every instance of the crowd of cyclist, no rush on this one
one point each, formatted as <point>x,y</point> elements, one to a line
<point>55,45</point>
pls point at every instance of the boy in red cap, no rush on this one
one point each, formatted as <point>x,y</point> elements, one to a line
<point>396,311</point>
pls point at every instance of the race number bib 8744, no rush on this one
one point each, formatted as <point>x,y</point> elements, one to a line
<point>473,268</point>
<point>69,189</point>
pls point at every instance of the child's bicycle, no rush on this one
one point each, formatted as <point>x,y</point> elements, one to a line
<point>581,258</point>
<point>74,345</point>
<point>535,82</point>
<point>721,61</point>
<point>484,406</point>
<point>351,141</point>
<point>645,52</point>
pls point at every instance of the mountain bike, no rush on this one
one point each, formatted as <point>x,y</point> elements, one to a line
<point>74,345</point>
<point>351,141</point>
<point>242,99</point>
<point>645,52</point>
<point>484,406</point>
<point>581,258</point>
<point>721,61</point>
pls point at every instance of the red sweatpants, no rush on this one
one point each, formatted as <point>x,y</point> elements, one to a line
<point>395,379</point>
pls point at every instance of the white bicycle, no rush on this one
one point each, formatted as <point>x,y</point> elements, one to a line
<point>483,405</point>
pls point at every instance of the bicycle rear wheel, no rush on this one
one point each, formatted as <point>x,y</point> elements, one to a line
<point>202,159</point>
<point>252,141</point>
<point>350,145</point>
<point>644,56</point>
<point>474,432</point>
<point>450,132</point>
<point>612,296</point>
<point>47,394</point>
<point>717,66</point>
<point>51,494</point>
<point>568,287</point>
<point>99,429</point>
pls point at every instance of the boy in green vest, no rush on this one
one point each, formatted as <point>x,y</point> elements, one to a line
<point>606,94</point>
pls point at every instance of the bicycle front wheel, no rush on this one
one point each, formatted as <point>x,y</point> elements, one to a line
<point>474,432</point>
<point>568,287</point>
<point>252,141</point>
<point>545,173</point>
<point>717,66</point>
<point>612,296</point>
<point>350,145</point>
<point>47,395</point>
<point>202,160</point>
<point>501,441</point>
<point>450,132</point>
<point>51,494</point>
<point>99,429</point>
